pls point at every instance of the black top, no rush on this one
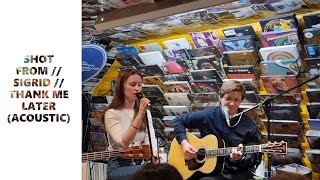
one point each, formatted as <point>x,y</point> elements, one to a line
<point>212,121</point>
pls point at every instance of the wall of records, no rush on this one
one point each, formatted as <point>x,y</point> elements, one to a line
<point>183,73</point>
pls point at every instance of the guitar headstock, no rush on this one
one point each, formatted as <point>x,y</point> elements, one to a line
<point>136,152</point>
<point>276,147</point>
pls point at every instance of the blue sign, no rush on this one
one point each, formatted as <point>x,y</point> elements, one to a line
<point>94,58</point>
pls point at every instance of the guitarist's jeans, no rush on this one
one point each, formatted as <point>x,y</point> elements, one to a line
<point>120,169</point>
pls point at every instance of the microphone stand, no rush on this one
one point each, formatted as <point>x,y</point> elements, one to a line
<point>150,142</point>
<point>267,106</point>
<point>139,95</point>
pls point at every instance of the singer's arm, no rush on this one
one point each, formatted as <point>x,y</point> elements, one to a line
<point>120,136</point>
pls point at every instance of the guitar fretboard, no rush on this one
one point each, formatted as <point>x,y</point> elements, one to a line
<point>96,156</point>
<point>227,151</point>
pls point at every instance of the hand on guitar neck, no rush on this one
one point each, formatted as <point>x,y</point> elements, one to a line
<point>190,152</point>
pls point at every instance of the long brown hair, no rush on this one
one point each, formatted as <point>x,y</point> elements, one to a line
<point>118,97</point>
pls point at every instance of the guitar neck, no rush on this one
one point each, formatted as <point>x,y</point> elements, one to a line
<point>227,151</point>
<point>102,155</point>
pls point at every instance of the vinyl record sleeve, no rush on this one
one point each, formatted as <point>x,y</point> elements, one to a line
<point>278,84</point>
<point>238,58</point>
<point>205,75</point>
<point>313,110</point>
<point>203,97</point>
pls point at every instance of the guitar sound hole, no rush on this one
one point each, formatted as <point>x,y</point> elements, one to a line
<point>201,154</point>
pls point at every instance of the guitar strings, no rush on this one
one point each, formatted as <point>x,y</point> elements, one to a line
<point>109,154</point>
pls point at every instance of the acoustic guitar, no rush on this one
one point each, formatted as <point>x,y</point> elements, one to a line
<point>210,155</point>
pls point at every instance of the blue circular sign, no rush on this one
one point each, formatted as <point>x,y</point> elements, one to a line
<point>94,58</point>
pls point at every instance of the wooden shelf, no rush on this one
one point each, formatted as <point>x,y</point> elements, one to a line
<point>145,12</point>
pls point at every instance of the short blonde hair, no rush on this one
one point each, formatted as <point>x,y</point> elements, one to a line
<point>230,86</point>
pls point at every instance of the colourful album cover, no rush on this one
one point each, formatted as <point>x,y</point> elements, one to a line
<point>280,67</point>
<point>177,87</point>
<point>239,58</point>
<point>314,110</point>
<point>181,54</point>
<point>204,97</point>
<point>314,124</point>
<point>312,35</point>
<point>128,51</point>
<point>312,20</point>
<point>279,52</point>
<point>240,72</point>
<point>312,50</point>
<point>313,69</point>
<point>279,84</point>
<point>179,66</point>
<point>204,86</point>
<point>206,74</point>
<point>279,23</point>
<point>174,55</point>
<point>205,52</point>
<point>313,95</point>
<point>210,63</point>
<point>206,39</point>
<point>150,47</point>
<point>238,43</point>
<point>280,38</point>
<point>150,70</point>
<point>176,44</point>
<point>284,127</point>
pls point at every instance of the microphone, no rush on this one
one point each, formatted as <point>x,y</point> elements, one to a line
<point>139,95</point>
<point>225,111</point>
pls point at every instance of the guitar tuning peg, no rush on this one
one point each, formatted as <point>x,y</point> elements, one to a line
<point>143,162</point>
<point>132,163</point>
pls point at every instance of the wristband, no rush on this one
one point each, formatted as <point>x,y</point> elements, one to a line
<point>134,127</point>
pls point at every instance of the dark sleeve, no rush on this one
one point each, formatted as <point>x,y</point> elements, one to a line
<point>191,120</point>
<point>251,159</point>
